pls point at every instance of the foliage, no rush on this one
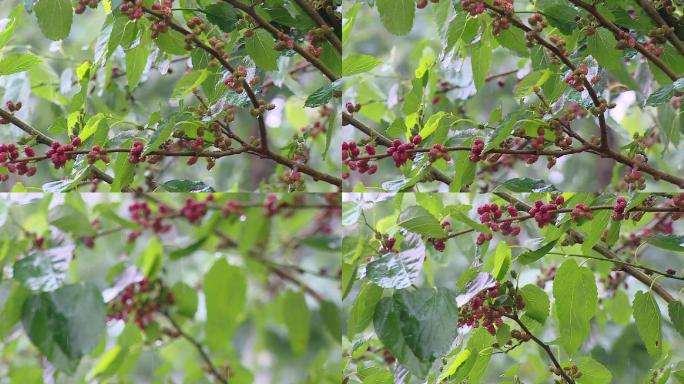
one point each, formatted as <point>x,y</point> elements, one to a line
<point>467,95</point>
<point>598,299</point>
<point>171,287</point>
<point>137,94</point>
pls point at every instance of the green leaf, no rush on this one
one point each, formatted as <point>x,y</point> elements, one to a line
<point>332,319</point>
<point>225,289</point>
<point>619,308</point>
<point>576,295</point>
<point>525,184</point>
<point>150,260</point>
<point>454,364</point>
<point>54,18</point>
<point>676,312</point>
<point>297,320</point>
<point>44,270</point>
<point>7,31</point>
<point>91,126</point>
<point>186,186</point>
<point>536,302</point>
<point>560,14</point>
<point>223,15</point>
<point>532,256</point>
<point>186,300</point>
<point>397,15</point>
<point>18,62</point>
<point>502,131</point>
<point>597,225</point>
<point>480,60</point>
<point>601,45</point>
<point>356,63</point>
<point>431,125</point>
<point>593,372</point>
<point>123,172</point>
<point>647,318</point>
<point>171,42</point>
<point>136,59</point>
<point>323,95</point>
<point>188,82</point>
<point>65,324</point>
<point>502,260</point>
<point>11,311</point>
<point>351,213</point>
<point>109,363</point>
<point>665,94</point>
<point>361,312</point>
<point>417,219</point>
<point>670,242</point>
<point>398,270</point>
<point>526,85</point>
<point>513,39</point>
<point>260,47</point>
<point>417,326</point>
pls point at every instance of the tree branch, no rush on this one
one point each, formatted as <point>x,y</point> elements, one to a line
<point>330,35</point>
<point>47,140</point>
<point>249,9</point>
<point>199,347</point>
<point>603,250</point>
<point>616,31</point>
<point>544,346</point>
<point>653,14</point>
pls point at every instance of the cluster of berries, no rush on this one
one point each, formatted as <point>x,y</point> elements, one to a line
<point>159,25</point>
<point>231,207</point>
<point>286,42</point>
<point>400,151</point>
<point>537,21</point>
<point>272,207</point>
<point>9,156</point>
<point>59,154</point>
<point>194,210</point>
<point>293,179</point>
<point>136,156</point>
<point>236,79</point>
<point>440,244</point>
<point>351,107</point>
<point>314,38</point>
<point>439,151</point>
<point>140,299</point>
<point>350,151</point>
<point>634,180</point>
<point>476,151</point>
<point>387,244</point>
<point>577,77</point>
<point>132,8</point>
<point>12,107</point>
<point>474,7</point>
<point>570,370</point>
<point>262,108</point>
<point>82,4</point>
<point>626,41</point>
<point>619,209</point>
<point>196,24</point>
<point>581,211</point>
<point>142,214</point>
<point>490,216</point>
<point>98,153</point>
<point>544,213</point>
<point>488,307</point>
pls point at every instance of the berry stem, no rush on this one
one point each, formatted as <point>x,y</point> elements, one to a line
<point>544,346</point>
